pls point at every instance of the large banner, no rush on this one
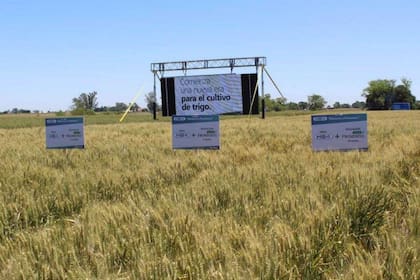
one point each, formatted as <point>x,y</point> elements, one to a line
<point>209,95</point>
<point>339,132</point>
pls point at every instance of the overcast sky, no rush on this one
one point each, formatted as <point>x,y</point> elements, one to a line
<point>51,51</point>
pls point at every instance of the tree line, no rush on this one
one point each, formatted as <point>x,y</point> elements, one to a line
<point>380,94</point>
<point>314,102</point>
<point>87,103</point>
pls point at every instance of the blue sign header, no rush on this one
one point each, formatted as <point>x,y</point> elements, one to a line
<point>194,119</point>
<point>62,121</point>
<point>327,119</point>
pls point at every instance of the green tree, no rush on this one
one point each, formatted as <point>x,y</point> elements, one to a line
<point>316,102</point>
<point>379,94</point>
<point>406,82</point>
<point>86,102</point>
<point>135,107</point>
<point>276,105</point>
<point>292,106</point>
<point>120,107</point>
<point>279,104</point>
<point>302,105</point>
<point>358,104</point>
<point>337,105</point>
<point>269,103</point>
<point>402,93</point>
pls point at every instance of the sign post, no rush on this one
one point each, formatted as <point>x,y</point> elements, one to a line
<point>195,132</point>
<point>64,133</point>
<point>339,132</point>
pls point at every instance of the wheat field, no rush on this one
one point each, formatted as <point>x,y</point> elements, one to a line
<point>262,207</point>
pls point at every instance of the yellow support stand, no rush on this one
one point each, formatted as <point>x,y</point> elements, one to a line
<point>129,106</point>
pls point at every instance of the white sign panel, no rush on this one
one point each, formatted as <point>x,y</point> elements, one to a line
<point>208,95</point>
<point>195,132</point>
<point>64,133</point>
<point>339,132</point>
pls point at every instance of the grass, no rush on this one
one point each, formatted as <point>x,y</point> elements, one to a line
<point>263,207</point>
<point>12,121</point>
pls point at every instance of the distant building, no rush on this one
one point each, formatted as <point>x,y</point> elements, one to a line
<point>400,106</point>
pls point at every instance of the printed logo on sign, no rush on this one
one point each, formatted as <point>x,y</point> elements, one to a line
<point>324,137</point>
<point>181,133</point>
<point>320,119</point>
<point>179,118</point>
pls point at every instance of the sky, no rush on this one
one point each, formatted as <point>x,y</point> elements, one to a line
<point>52,51</point>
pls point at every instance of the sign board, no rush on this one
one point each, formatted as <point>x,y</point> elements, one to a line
<point>64,133</point>
<point>209,95</point>
<point>195,132</point>
<point>339,132</point>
